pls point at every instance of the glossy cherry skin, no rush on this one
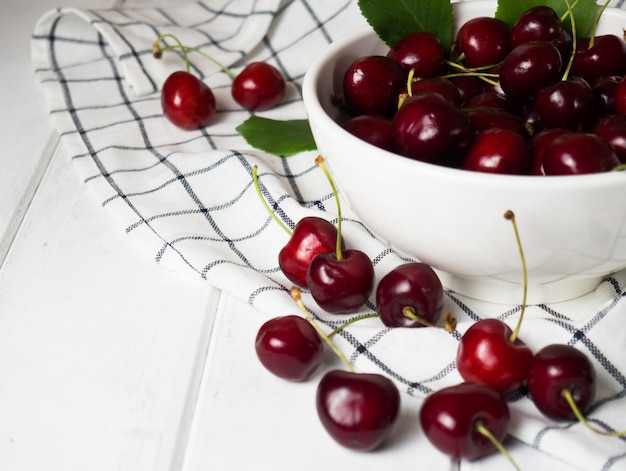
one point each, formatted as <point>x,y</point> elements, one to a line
<point>500,151</point>
<point>556,368</point>
<point>186,101</point>
<point>619,96</point>
<point>567,104</point>
<point>440,85</point>
<point>612,128</point>
<point>483,41</point>
<point>414,285</point>
<point>372,129</point>
<point>358,410</point>
<point>429,128</point>
<point>371,85</point>
<point>449,417</point>
<point>487,118</point>
<point>421,51</point>
<point>578,153</point>
<point>607,56</point>
<point>530,67</point>
<point>311,236</point>
<point>259,86</point>
<point>541,23</point>
<point>603,90</point>
<point>341,286</point>
<point>487,356</point>
<point>538,144</point>
<point>289,347</point>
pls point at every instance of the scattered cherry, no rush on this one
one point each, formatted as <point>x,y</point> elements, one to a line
<point>289,347</point>
<point>259,86</point>
<point>357,409</point>
<point>186,101</point>
<point>465,421</point>
<point>414,286</point>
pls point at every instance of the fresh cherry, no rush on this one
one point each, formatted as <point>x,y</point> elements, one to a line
<point>458,420</point>
<point>541,23</point>
<point>414,286</point>
<point>371,85</point>
<point>186,101</point>
<point>421,51</point>
<point>289,347</point>
<point>372,129</point>
<point>429,128</point>
<point>311,236</point>
<point>558,369</point>
<point>483,41</point>
<point>500,151</point>
<point>567,104</point>
<point>358,410</point>
<point>578,153</point>
<point>600,56</point>
<point>612,128</point>
<point>259,86</point>
<point>488,356</point>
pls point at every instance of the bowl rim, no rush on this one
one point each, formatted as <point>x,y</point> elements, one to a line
<point>323,122</point>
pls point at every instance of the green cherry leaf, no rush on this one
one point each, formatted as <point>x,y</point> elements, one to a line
<point>392,20</point>
<point>279,137</point>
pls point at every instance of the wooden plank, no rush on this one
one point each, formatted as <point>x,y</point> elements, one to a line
<point>101,349</point>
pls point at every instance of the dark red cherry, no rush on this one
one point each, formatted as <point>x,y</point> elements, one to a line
<point>468,86</point>
<point>358,410</point>
<point>450,418</point>
<point>371,85</point>
<point>619,96</point>
<point>483,41</point>
<point>603,90</point>
<point>289,347</point>
<point>578,153</point>
<point>187,102</point>
<point>311,236</point>
<point>259,86</point>
<point>486,355</point>
<point>603,56</point>
<point>538,144</point>
<point>373,129</point>
<point>541,23</point>
<point>484,119</point>
<point>555,369</point>
<point>343,285</point>
<point>421,51</point>
<point>412,285</point>
<point>500,151</point>
<point>440,85</point>
<point>530,67</point>
<point>429,128</point>
<point>612,128</point>
<point>567,104</point>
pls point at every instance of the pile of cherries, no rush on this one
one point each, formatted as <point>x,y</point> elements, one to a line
<point>530,99</point>
<point>190,104</point>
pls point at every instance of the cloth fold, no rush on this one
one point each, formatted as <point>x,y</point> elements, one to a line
<point>186,198</point>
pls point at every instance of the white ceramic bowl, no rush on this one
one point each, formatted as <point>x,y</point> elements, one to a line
<point>573,228</point>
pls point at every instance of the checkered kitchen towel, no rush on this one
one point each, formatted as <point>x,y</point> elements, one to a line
<point>187,198</point>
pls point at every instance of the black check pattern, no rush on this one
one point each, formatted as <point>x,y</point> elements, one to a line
<point>187,198</point>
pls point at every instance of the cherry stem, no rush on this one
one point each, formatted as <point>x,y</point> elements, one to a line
<point>475,72</point>
<point>297,297</point>
<point>485,432</point>
<point>157,51</point>
<point>567,395</point>
<point>592,35</point>
<point>257,187</point>
<point>570,13</point>
<point>511,217</point>
<point>352,321</point>
<point>319,161</point>
<point>449,322</point>
<point>619,168</point>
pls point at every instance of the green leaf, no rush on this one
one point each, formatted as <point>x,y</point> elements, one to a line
<point>282,138</point>
<point>584,12</point>
<point>393,19</point>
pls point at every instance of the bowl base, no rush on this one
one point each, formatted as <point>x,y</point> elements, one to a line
<point>502,292</point>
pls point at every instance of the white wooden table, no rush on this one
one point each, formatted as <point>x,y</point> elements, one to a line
<point>135,379</point>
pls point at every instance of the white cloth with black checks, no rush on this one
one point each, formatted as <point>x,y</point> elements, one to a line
<point>186,199</point>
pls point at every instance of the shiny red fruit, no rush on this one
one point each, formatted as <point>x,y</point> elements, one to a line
<point>487,356</point>
<point>289,347</point>
<point>259,86</point>
<point>186,101</point>
<point>357,409</point>
<point>414,285</point>
<point>499,151</point>
<point>311,236</point>
<point>449,418</point>
<point>343,285</point>
<point>556,368</point>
